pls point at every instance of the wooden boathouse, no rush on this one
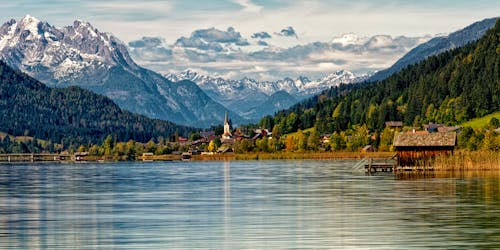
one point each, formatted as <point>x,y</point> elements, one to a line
<point>415,151</point>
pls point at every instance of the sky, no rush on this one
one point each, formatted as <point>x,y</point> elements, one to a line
<point>273,27</point>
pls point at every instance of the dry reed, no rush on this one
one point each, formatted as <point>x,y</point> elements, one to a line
<point>468,161</point>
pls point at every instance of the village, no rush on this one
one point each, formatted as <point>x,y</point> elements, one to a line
<point>395,148</point>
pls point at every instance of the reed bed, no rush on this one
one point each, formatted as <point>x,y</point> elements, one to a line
<point>468,161</point>
<point>294,156</point>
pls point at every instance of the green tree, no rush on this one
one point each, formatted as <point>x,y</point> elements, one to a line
<point>291,122</point>
<point>95,150</point>
<point>313,140</point>
<point>151,146</point>
<point>494,123</point>
<point>82,148</point>
<point>262,144</point>
<point>120,149</point>
<point>139,148</point>
<point>217,142</point>
<point>464,138</point>
<point>244,146</point>
<point>276,132</point>
<point>490,141</point>
<point>131,153</point>
<point>386,139</point>
<point>108,145</point>
<point>194,136</point>
<point>301,140</point>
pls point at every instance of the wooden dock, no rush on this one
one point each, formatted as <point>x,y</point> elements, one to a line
<point>372,166</point>
<point>19,158</point>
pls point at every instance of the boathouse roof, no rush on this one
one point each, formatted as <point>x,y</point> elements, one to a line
<point>425,140</point>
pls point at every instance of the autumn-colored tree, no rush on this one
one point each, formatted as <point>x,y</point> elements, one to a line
<point>212,147</point>
<point>290,144</point>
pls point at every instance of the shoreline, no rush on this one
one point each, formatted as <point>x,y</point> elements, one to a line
<point>459,161</point>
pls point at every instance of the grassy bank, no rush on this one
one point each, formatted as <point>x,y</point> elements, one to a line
<point>468,161</point>
<point>481,122</point>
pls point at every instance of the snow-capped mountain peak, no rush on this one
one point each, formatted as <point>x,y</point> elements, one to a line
<point>300,87</point>
<point>31,24</point>
<point>81,55</point>
<point>245,95</point>
<point>63,52</point>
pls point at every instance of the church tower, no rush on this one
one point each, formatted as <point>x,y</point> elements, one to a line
<point>227,130</point>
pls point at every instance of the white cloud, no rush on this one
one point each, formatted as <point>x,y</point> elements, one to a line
<point>313,20</point>
<point>248,6</point>
<point>313,60</point>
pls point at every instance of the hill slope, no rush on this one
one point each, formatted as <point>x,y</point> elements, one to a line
<point>69,115</point>
<point>481,122</point>
<point>451,88</point>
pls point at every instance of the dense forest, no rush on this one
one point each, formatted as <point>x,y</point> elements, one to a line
<point>70,116</point>
<point>449,88</point>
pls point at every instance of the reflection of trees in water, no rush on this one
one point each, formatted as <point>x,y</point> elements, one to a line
<point>461,207</point>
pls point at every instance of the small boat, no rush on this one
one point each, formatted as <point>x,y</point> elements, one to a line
<point>186,156</point>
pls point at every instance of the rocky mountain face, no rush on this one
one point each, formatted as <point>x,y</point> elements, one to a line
<point>436,46</point>
<point>81,55</point>
<point>254,99</point>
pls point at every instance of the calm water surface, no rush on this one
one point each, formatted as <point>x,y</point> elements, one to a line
<point>243,205</point>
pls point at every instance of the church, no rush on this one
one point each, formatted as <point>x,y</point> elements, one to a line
<point>227,129</point>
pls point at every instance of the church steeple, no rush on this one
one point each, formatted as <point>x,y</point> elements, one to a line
<point>227,130</point>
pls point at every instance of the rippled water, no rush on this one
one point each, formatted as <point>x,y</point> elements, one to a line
<point>243,205</point>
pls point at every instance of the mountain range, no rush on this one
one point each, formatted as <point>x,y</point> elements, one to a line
<point>450,88</point>
<point>255,99</point>
<point>80,55</point>
<point>437,45</point>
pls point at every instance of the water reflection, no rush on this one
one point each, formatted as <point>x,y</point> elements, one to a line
<point>46,209</point>
<point>227,205</point>
<point>244,205</point>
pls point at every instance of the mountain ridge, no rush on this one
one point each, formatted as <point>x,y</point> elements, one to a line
<point>72,115</point>
<point>248,96</point>
<point>437,45</point>
<point>450,88</point>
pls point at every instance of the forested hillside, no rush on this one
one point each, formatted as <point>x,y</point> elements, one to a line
<point>449,88</point>
<point>70,115</point>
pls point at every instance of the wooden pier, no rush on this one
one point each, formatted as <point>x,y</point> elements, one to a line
<point>372,166</point>
<point>19,158</point>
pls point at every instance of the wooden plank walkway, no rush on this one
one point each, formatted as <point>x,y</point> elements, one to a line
<point>13,158</point>
<point>385,166</point>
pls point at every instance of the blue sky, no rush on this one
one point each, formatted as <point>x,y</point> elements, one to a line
<point>263,39</point>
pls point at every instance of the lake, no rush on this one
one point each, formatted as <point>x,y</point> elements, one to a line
<point>244,205</point>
